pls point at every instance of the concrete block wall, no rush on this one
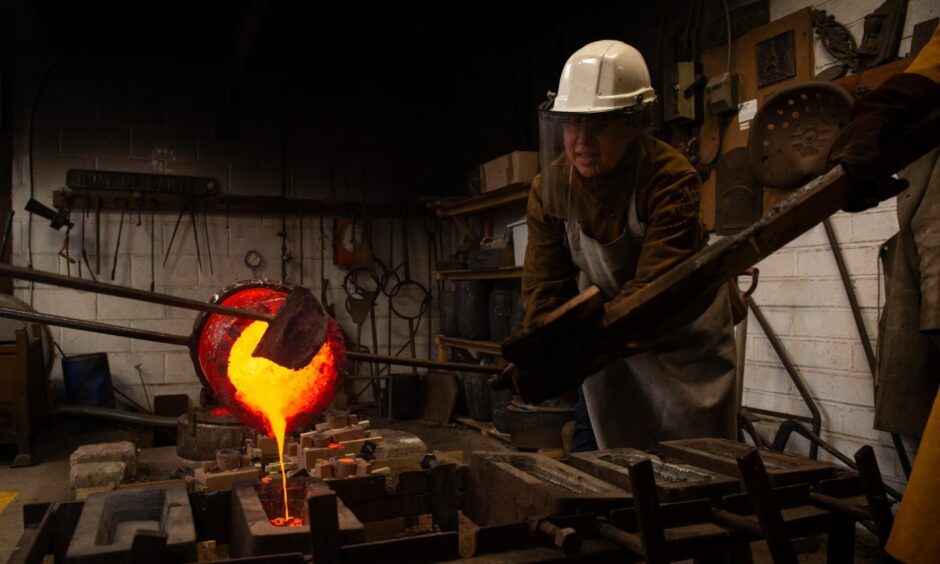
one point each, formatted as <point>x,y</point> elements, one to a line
<point>803,297</point>
<point>159,118</point>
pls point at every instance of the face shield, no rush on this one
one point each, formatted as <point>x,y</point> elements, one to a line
<point>579,150</point>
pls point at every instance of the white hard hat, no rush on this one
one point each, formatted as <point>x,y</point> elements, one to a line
<point>603,76</point>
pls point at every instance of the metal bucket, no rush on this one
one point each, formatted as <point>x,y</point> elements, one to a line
<point>500,314</point>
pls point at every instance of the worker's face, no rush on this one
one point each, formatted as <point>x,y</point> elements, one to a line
<point>596,147</point>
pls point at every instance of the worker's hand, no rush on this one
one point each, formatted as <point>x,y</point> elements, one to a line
<point>877,118</point>
<point>505,379</point>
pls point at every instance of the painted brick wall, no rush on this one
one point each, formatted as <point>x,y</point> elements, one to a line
<point>159,118</point>
<point>802,295</point>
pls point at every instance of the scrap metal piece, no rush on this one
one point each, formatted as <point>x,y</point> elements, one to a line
<point>738,194</point>
<point>793,131</point>
<point>836,39</point>
<point>882,36</point>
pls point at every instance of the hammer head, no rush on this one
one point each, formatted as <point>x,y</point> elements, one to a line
<point>297,331</point>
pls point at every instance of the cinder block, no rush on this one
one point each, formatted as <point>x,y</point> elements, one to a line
<point>77,342</point>
<point>95,474</point>
<point>50,172</point>
<point>124,368</point>
<point>179,368</point>
<point>778,265</point>
<point>110,307</point>
<point>95,140</point>
<point>245,150</point>
<point>323,469</point>
<point>876,227</point>
<point>65,302</point>
<point>839,388</point>
<point>768,378</point>
<point>824,323</point>
<point>132,108</point>
<point>163,144</point>
<point>171,326</point>
<point>121,451</point>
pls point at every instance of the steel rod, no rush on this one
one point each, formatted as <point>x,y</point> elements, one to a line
<point>421,363</point>
<point>110,414</point>
<point>95,327</point>
<point>795,376</point>
<point>125,292</point>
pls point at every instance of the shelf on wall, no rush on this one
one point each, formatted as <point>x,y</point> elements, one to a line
<point>488,200</point>
<point>501,273</point>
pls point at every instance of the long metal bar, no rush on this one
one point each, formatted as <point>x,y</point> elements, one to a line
<point>125,292</point>
<point>421,363</point>
<point>862,330</point>
<point>95,327</point>
<point>791,370</point>
<point>850,294</point>
<point>144,419</point>
<point>186,340</point>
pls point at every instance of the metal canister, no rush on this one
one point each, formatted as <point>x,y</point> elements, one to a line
<point>500,314</point>
<point>472,301</point>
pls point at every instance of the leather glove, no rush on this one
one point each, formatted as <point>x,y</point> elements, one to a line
<point>877,118</point>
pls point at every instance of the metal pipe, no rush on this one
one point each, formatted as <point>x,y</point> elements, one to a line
<point>186,340</point>
<point>110,414</point>
<point>125,292</point>
<point>791,370</point>
<point>421,363</point>
<point>850,293</point>
<point>95,327</point>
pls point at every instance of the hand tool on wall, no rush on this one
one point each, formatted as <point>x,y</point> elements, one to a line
<point>551,360</point>
<point>66,243</point>
<point>7,228</point>
<point>205,226</point>
<point>176,227</point>
<point>98,235</point>
<point>192,218</point>
<point>57,218</point>
<point>85,202</point>
<point>153,236</point>
<point>117,244</point>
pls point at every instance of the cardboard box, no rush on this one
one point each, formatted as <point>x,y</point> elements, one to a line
<point>517,166</point>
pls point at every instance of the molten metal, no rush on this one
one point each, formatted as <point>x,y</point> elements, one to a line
<point>257,391</point>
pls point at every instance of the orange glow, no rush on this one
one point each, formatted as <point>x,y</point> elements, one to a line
<point>220,412</point>
<point>345,460</point>
<point>287,522</point>
<point>275,393</point>
<point>335,445</point>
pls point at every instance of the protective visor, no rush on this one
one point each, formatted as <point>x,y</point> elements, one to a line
<point>579,149</point>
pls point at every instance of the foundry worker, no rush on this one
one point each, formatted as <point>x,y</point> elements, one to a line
<point>877,118</point>
<point>616,208</point>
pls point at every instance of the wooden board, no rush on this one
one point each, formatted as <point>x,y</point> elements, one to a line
<point>744,63</point>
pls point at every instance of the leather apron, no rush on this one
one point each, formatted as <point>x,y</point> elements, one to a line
<point>684,386</point>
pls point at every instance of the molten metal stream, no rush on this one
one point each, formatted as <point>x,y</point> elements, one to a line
<point>277,393</point>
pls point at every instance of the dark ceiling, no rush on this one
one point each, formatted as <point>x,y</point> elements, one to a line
<point>385,49</point>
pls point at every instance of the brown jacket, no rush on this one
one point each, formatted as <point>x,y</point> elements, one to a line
<point>668,195</point>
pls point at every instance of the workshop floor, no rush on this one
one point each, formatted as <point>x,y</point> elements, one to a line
<point>48,480</point>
